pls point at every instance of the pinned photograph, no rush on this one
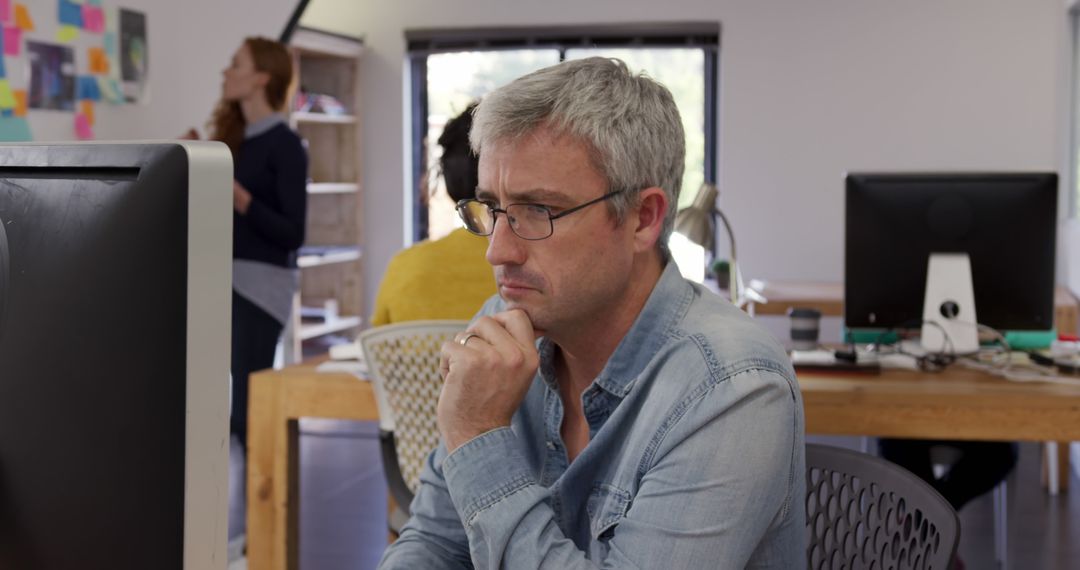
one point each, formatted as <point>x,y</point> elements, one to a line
<point>134,62</point>
<point>52,76</point>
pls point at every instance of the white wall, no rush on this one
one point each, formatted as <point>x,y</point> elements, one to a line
<point>809,90</point>
<point>190,42</point>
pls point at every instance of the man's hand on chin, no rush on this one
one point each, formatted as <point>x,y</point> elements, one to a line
<point>486,377</point>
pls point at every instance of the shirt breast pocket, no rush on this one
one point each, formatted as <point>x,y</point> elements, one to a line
<point>607,505</point>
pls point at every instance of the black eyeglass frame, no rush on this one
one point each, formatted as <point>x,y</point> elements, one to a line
<point>461,204</point>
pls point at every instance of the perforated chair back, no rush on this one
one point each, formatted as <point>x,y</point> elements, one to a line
<point>403,360</point>
<point>865,512</point>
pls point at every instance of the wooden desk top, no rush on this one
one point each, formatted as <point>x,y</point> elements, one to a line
<point>959,403</point>
<point>308,392</point>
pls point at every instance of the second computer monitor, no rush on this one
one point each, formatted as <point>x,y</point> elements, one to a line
<point>1005,223</point>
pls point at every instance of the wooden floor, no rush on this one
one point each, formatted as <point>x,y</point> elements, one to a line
<point>343,507</point>
<point>1044,531</point>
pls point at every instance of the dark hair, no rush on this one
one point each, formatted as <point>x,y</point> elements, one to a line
<point>458,163</point>
<point>227,124</point>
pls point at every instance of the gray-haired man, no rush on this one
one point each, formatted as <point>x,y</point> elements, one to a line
<point>653,425</point>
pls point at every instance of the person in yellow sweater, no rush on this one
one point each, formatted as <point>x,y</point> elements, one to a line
<point>446,278</point>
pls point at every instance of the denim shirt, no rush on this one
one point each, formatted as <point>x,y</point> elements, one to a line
<point>695,458</point>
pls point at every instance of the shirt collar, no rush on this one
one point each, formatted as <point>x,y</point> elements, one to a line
<point>666,306</point>
<point>262,125</point>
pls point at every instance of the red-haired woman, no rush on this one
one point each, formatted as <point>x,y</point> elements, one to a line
<point>269,203</point>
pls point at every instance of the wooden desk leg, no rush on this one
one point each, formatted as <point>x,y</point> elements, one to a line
<point>266,492</point>
<point>292,497</point>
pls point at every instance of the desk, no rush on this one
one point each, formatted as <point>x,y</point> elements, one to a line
<point>961,404</point>
<point>829,299</point>
<point>278,399</point>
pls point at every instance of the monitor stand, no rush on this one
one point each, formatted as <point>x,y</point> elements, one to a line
<point>950,302</point>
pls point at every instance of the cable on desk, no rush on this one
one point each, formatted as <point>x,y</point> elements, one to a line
<point>997,360</point>
<point>929,362</point>
<point>1002,363</point>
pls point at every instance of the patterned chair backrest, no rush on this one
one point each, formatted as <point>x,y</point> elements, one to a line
<point>865,512</point>
<point>403,360</point>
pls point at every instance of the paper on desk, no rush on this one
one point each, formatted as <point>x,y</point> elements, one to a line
<point>812,357</point>
<point>357,368</point>
<point>820,357</point>
<point>348,351</point>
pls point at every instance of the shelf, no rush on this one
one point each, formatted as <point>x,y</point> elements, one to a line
<point>329,256</point>
<point>332,188</point>
<point>310,331</point>
<point>330,298</point>
<point>323,118</point>
<point>321,43</point>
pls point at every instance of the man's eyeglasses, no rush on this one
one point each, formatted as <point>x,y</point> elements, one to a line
<point>528,221</point>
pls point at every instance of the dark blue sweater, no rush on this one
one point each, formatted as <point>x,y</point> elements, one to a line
<point>273,167</point>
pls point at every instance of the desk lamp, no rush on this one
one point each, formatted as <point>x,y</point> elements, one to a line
<point>695,222</point>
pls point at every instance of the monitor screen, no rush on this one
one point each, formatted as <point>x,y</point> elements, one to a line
<point>103,285</point>
<point>1005,222</point>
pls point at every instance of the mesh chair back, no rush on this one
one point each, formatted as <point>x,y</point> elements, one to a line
<point>403,360</point>
<point>865,512</point>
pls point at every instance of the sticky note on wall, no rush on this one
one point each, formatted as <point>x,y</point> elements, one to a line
<point>67,34</point>
<point>110,90</point>
<point>22,18</point>
<point>12,40</point>
<point>5,10</point>
<point>7,98</point>
<point>20,102</point>
<point>87,109</point>
<point>14,129</point>
<point>99,62</point>
<point>86,87</point>
<point>83,131</point>
<point>70,13</point>
<point>93,18</point>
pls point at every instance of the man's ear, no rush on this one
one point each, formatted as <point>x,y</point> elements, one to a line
<point>649,218</point>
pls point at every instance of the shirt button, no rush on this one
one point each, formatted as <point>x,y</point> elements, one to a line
<point>551,445</point>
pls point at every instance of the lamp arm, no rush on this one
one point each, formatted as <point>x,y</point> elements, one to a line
<point>733,275</point>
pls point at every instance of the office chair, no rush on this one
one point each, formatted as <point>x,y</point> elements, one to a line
<point>865,512</point>
<point>403,360</point>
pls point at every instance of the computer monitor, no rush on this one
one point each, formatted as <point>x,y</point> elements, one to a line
<point>115,292</point>
<point>1005,223</point>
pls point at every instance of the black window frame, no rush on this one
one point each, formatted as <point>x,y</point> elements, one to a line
<point>422,43</point>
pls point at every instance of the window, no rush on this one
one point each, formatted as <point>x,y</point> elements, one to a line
<point>682,71</point>
<point>451,68</point>
<point>454,80</point>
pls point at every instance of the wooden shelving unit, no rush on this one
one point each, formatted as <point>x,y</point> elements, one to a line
<point>329,301</point>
